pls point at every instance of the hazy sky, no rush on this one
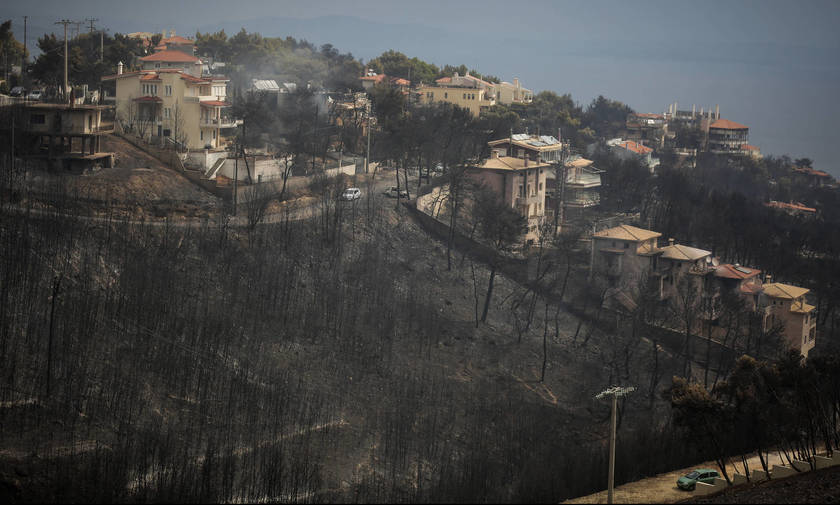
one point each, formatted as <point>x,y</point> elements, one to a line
<point>769,64</point>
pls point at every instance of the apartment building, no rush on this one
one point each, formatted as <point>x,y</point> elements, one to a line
<point>173,103</point>
<point>728,137</point>
<point>580,192</point>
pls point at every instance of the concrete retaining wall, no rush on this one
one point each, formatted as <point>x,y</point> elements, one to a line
<point>758,475</point>
<point>821,462</point>
<point>780,472</point>
<point>738,479</point>
<point>802,466</point>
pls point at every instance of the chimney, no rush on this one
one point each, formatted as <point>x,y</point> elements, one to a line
<point>693,110</point>
<point>119,68</point>
<point>768,278</point>
<point>670,241</point>
<point>701,111</point>
<point>717,111</point>
<point>494,155</point>
<point>516,82</point>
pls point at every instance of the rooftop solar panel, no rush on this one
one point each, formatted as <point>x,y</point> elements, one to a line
<point>743,270</point>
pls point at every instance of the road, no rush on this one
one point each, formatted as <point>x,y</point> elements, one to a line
<point>382,180</point>
<point>662,488</point>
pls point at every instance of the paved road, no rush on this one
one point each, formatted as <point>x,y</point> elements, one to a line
<point>297,212</point>
<point>663,487</point>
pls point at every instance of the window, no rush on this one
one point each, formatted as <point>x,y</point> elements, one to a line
<point>627,245</point>
<point>167,133</point>
<point>541,186</point>
<point>167,112</point>
<point>214,133</point>
<point>37,119</point>
<point>157,65</point>
<point>446,95</point>
<point>201,135</point>
<point>150,89</point>
<point>168,90</point>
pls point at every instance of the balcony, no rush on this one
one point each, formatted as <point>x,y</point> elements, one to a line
<point>529,200</point>
<point>219,123</point>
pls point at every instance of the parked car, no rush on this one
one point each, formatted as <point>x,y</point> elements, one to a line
<point>351,194</point>
<point>35,94</point>
<point>393,192</point>
<point>17,91</point>
<point>704,475</point>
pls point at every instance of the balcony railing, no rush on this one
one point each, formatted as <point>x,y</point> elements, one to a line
<point>529,200</point>
<point>218,123</point>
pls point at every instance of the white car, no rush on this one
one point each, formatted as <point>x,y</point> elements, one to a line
<point>351,194</point>
<point>35,94</point>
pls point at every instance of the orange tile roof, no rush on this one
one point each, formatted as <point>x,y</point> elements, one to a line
<point>725,124</point>
<point>170,56</point>
<point>375,78</point>
<point>748,147</point>
<point>150,77</point>
<point>443,80</point>
<point>177,39</point>
<point>400,81</point>
<point>811,171</point>
<point>637,148</point>
<point>729,271</point>
<point>214,103</point>
<point>790,206</point>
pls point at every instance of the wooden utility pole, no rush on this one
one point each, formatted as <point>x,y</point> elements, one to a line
<point>64,22</point>
<point>613,392</point>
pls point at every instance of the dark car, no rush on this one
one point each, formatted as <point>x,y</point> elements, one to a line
<point>393,192</point>
<point>17,91</point>
<point>690,480</point>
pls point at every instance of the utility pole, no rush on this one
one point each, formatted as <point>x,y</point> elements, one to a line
<point>614,392</point>
<point>78,25</point>
<point>91,21</point>
<point>64,22</point>
<point>25,58</point>
<point>367,156</point>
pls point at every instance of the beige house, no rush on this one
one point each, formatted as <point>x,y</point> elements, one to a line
<point>69,136</point>
<point>785,304</point>
<point>173,103</point>
<point>521,184</point>
<point>626,256</point>
<point>472,93</point>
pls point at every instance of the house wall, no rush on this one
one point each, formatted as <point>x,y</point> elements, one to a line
<point>627,267</point>
<point>182,104</point>
<point>472,99</point>
<point>799,329</point>
<point>80,121</point>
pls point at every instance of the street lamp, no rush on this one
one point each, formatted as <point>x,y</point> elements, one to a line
<point>614,392</point>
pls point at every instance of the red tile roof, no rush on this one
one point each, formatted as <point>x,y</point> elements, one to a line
<point>177,39</point>
<point>811,171</point>
<point>375,78</point>
<point>400,81</point>
<point>725,124</point>
<point>444,80</point>
<point>150,77</point>
<point>170,56</point>
<point>214,103</point>
<point>634,146</point>
<point>748,147</point>
<point>732,272</point>
<point>790,206</point>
